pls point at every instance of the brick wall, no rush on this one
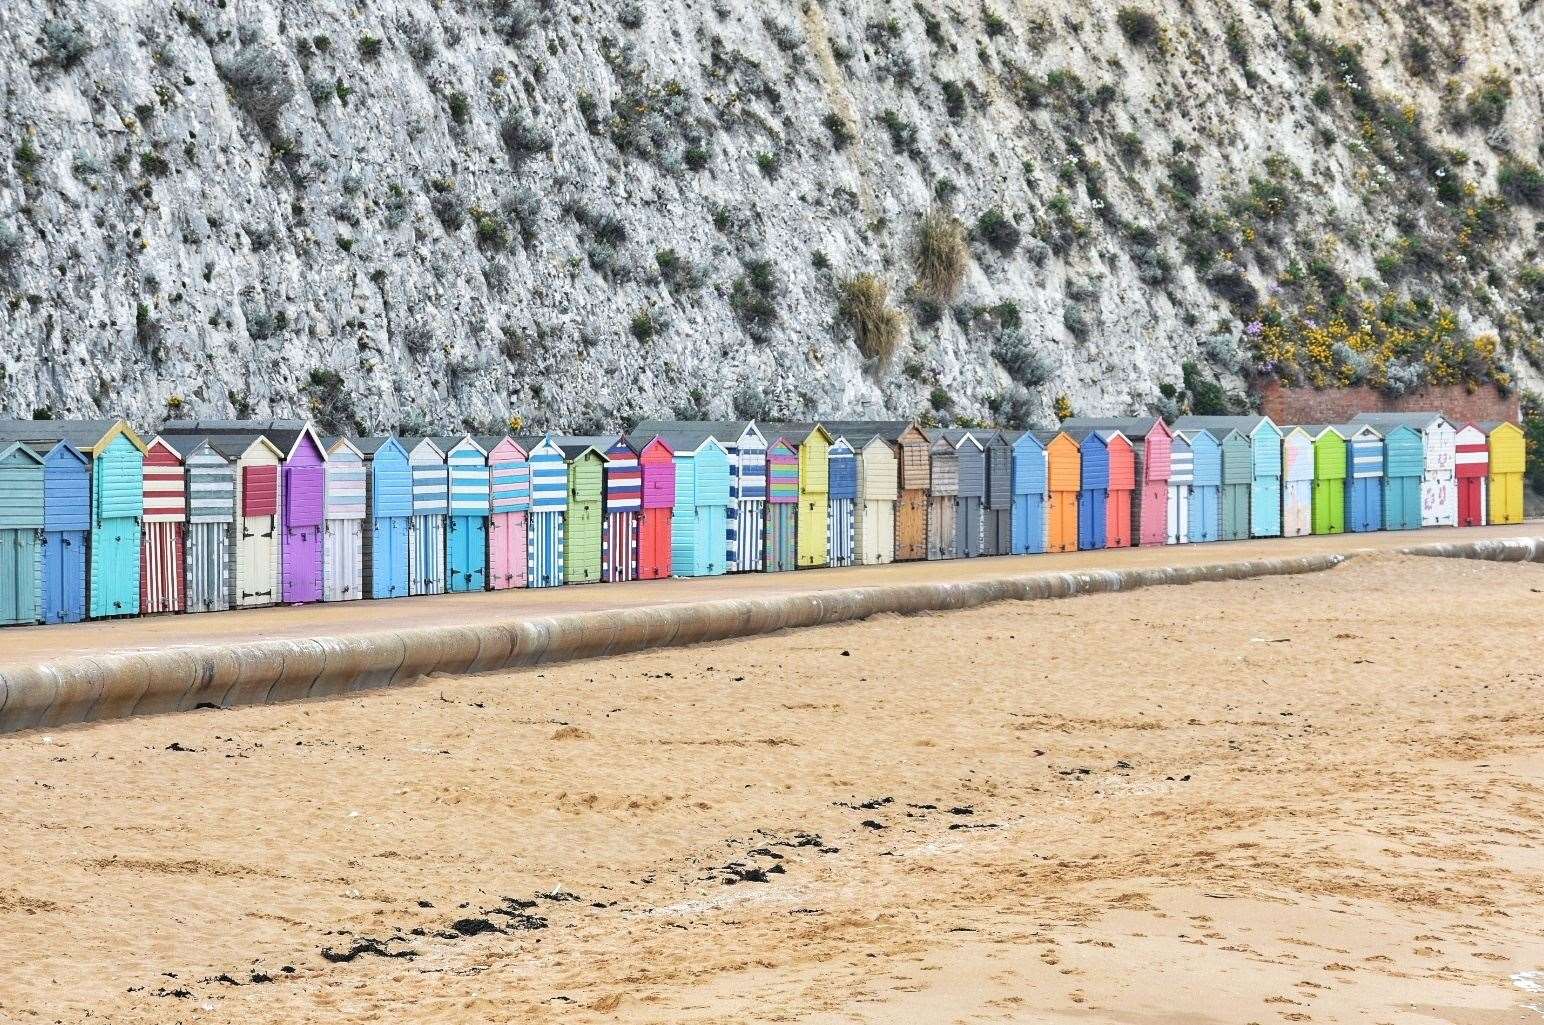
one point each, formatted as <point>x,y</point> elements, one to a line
<point>1287,405</point>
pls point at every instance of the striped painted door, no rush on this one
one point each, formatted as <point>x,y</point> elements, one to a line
<point>750,524</point>
<point>426,554</point>
<point>544,549</point>
<point>840,529</point>
<point>619,546</point>
<point>162,569</point>
<point>342,560</point>
<point>1179,514</point>
<point>209,566</point>
<point>782,536</point>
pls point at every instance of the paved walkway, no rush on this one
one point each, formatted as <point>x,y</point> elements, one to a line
<point>30,645</point>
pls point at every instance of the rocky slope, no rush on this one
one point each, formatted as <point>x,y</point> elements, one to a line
<point>452,212</point>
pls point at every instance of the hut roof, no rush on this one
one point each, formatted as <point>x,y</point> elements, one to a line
<point>1221,425</point>
<point>81,434</point>
<point>691,433</point>
<point>1130,426</point>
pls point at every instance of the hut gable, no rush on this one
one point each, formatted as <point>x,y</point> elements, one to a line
<point>466,465</point>
<point>165,484</point>
<point>1471,450</point>
<point>878,471</point>
<point>549,476</point>
<point>431,478</point>
<point>1404,453</point>
<point>815,462</point>
<point>1181,461</point>
<point>843,470</point>
<point>1093,458</point>
<point>1029,471</point>
<point>1508,447</point>
<point>710,466</point>
<point>624,477</point>
<point>1364,451</point>
<point>1063,461</point>
<point>509,477</point>
<point>1297,455</point>
<point>1237,457</point>
<point>1122,460</point>
<point>21,487</point>
<point>782,473</point>
<point>1329,452</point>
<point>915,456</point>
<point>1151,440</point>
<point>999,472</point>
<point>1205,458</point>
<point>657,460</point>
<point>971,455</point>
<point>944,459</point>
<point>345,480</point>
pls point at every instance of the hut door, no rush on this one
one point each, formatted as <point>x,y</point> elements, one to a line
<point>1470,501</point>
<point>16,576</point>
<point>911,525</point>
<point>1179,514</point>
<point>1092,513</point>
<point>1117,519</point>
<point>941,528</point>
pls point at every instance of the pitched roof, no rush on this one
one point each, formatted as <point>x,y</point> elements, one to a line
<point>83,434</point>
<point>1130,426</point>
<point>283,433</point>
<point>1220,425</point>
<point>691,433</point>
<point>1418,419</point>
<point>861,432</point>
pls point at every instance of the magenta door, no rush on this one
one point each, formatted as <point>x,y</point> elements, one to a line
<point>305,494</point>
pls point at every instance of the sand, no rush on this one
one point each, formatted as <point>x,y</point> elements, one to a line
<point>1293,799</point>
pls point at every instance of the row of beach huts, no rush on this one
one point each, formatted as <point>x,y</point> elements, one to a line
<point>217,514</point>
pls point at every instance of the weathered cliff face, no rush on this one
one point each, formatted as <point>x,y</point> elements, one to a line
<point>453,212</point>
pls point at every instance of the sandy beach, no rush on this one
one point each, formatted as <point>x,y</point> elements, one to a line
<point>1295,799</point>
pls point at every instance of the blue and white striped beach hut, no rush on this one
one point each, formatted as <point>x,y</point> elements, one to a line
<point>466,535</point>
<point>549,507</point>
<point>431,504</point>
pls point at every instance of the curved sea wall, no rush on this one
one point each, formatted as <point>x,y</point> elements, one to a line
<point>91,688</point>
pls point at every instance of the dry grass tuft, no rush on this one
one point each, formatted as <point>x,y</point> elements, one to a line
<point>941,255</point>
<point>864,299</point>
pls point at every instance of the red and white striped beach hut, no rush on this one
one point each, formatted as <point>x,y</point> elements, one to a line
<point>163,582</point>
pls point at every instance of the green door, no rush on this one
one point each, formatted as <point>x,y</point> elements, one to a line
<point>18,576</point>
<point>1329,506</point>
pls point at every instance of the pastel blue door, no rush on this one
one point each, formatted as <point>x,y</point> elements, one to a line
<point>468,543</point>
<point>64,576</point>
<point>388,557</point>
<point>1093,512</point>
<point>19,575</point>
<point>1028,524</point>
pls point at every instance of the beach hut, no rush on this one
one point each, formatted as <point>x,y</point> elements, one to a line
<point>878,492</point>
<point>747,447</point>
<point>700,522</point>
<point>1064,482</point>
<point>163,584</point>
<point>1404,463</point>
<point>584,524</point>
<point>841,505</point>
<point>343,522</point>
<point>912,504</point>
<point>997,518</point>
<point>1261,438</point>
<point>386,532</point>
<point>1364,477</point>
<point>22,518</point>
<point>1297,474</point>
<point>1237,481</point>
<point>656,460</point>
<point>211,528</point>
<point>813,443</point>
<point>970,516</point>
<point>943,503</point>
<point>1471,471</point>
<point>66,517</point>
<point>1123,480</point>
<point>431,504</point>
<point>1151,443</point>
<point>623,505</point>
<point>545,544</point>
<point>1439,486</point>
<point>1093,488</point>
<point>1181,476</point>
<point>1029,492</point>
<point>1329,478</point>
<point>509,488</point>
<point>1205,517</point>
<point>466,529</point>
<point>782,512</point>
<point>1508,457</point>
